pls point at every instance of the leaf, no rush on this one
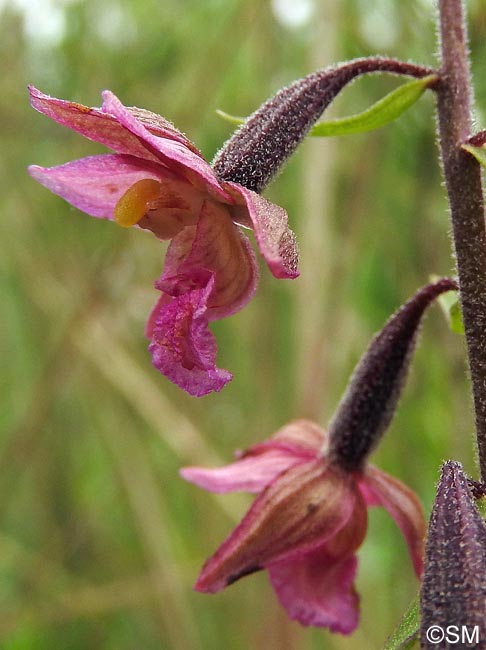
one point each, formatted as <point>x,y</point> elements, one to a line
<point>384,111</point>
<point>452,309</point>
<point>232,119</point>
<point>478,152</point>
<point>406,633</point>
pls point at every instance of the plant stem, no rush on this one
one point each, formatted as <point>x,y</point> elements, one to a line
<point>463,181</point>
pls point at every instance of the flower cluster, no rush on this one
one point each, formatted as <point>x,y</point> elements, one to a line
<point>313,487</point>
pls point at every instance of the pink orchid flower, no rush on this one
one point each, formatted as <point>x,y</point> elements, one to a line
<point>305,525</point>
<point>157,180</point>
<point>314,489</point>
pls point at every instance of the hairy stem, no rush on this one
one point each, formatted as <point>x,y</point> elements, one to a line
<point>463,181</point>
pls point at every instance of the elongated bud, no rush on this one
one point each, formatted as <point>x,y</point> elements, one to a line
<point>370,400</point>
<point>269,136</point>
<point>453,595</point>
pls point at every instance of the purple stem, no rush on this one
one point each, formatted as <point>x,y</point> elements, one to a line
<point>463,182</point>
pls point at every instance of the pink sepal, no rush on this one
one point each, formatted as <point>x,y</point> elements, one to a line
<point>301,509</point>
<point>178,157</point>
<point>95,184</point>
<point>269,221</point>
<point>250,474</point>
<point>379,488</point>
<point>99,126</point>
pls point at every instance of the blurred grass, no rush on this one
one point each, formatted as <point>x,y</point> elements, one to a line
<point>100,542</point>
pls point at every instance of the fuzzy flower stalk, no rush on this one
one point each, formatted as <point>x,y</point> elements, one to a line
<point>314,488</point>
<point>453,590</point>
<point>157,180</point>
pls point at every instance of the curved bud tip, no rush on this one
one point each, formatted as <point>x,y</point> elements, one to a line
<point>371,398</point>
<point>454,585</point>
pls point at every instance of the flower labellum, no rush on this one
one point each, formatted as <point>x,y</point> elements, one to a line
<point>310,514</point>
<point>158,181</point>
<point>454,588</point>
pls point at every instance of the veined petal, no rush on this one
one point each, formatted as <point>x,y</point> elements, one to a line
<point>102,127</point>
<point>95,184</point>
<point>182,347</point>
<point>178,157</point>
<point>275,240</point>
<point>250,474</point>
<point>259,465</point>
<point>303,434</point>
<point>318,590</point>
<point>305,506</point>
<point>402,504</point>
<point>216,247</point>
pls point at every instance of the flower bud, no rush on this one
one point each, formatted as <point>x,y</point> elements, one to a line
<point>454,585</point>
<point>370,400</point>
<point>269,136</point>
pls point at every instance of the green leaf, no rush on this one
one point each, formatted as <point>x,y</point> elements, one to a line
<point>478,152</point>
<point>384,111</point>
<point>232,119</point>
<point>406,633</point>
<point>452,309</point>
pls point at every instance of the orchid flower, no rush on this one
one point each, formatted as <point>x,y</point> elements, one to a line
<point>310,515</point>
<point>157,180</point>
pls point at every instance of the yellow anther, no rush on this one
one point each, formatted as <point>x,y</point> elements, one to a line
<point>134,204</point>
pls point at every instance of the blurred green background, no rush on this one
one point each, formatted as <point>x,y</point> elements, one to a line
<point>100,541</point>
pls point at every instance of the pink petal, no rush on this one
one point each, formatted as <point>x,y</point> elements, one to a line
<point>302,508</point>
<point>302,434</point>
<point>318,590</point>
<point>93,123</point>
<point>183,348</point>
<point>178,157</point>
<point>402,504</point>
<point>275,240</point>
<point>216,247</point>
<point>95,184</point>
<point>250,474</point>
<point>261,464</point>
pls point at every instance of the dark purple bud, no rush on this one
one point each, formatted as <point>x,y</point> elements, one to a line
<point>453,595</point>
<point>269,136</point>
<point>371,398</point>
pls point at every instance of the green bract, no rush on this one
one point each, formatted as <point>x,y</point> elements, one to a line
<point>452,310</point>
<point>384,111</point>
<point>406,633</point>
<point>478,152</point>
